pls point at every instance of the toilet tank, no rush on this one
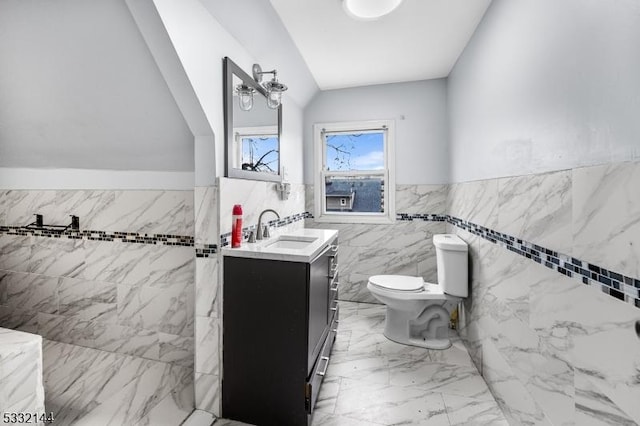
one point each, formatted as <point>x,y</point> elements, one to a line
<point>452,259</point>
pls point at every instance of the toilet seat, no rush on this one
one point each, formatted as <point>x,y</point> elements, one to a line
<point>403,287</point>
<point>398,282</point>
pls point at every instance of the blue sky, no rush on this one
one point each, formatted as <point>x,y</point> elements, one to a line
<point>363,151</point>
<point>260,147</point>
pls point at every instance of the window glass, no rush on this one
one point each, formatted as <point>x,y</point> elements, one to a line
<point>354,194</point>
<point>354,151</point>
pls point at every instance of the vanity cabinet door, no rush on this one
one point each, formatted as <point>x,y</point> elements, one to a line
<point>318,306</point>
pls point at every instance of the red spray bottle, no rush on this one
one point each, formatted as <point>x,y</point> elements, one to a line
<point>236,226</point>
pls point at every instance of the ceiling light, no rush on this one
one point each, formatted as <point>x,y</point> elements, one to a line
<point>368,10</point>
<point>274,88</point>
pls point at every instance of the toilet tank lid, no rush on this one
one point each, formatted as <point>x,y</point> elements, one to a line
<point>449,242</point>
<point>398,282</point>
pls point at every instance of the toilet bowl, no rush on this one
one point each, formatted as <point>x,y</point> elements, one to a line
<point>418,312</point>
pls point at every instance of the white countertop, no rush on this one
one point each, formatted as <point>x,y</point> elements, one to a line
<point>261,249</point>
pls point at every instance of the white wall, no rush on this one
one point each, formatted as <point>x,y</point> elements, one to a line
<point>546,85</point>
<point>27,178</point>
<point>258,28</point>
<point>80,89</point>
<point>420,113</point>
<point>201,43</point>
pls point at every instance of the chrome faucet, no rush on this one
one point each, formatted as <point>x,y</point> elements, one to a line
<point>259,232</point>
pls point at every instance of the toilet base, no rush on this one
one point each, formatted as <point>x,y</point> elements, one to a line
<point>429,329</point>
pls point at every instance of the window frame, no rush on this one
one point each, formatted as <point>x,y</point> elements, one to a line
<point>388,173</point>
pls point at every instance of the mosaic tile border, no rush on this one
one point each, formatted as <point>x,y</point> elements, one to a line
<point>225,239</point>
<point>612,283</point>
<point>206,250</point>
<point>624,288</point>
<point>124,237</point>
<point>420,216</point>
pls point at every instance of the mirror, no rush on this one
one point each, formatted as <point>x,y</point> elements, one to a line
<point>252,138</point>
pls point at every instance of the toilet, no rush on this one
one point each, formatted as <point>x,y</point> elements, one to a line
<point>418,313</point>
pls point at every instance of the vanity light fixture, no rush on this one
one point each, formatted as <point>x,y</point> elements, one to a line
<point>245,96</point>
<point>369,10</point>
<point>274,88</point>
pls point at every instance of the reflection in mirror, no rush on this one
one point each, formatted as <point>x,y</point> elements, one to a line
<point>253,135</point>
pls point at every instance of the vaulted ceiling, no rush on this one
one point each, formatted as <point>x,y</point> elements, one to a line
<point>421,39</point>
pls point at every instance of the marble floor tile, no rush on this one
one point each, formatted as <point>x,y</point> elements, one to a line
<point>457,354</point>
<point>328,396</point>
<point>372,322</point>
<point>347,308</point>
<point>371,309</point>
<point>226,422</point>
<point>453,379</point>
<point>199,418</point>
<point>366,368</point>
<point>172,410</point>
<point>341,343</point>
<point>390,405</point>
<point>325,419</point>
<point>364,342</point>
<point>473,412</point>
<point>377,381</point>
<point>396,350</point>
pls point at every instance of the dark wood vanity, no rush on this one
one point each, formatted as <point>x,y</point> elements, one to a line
<point>279,323</point>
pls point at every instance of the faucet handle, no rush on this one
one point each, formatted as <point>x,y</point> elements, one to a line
<point>265,234</point>
<point>252,237</point>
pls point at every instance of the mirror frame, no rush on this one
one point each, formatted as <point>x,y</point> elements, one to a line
<point>229,69</point>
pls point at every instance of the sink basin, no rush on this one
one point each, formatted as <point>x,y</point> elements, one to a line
<point>290,242</point>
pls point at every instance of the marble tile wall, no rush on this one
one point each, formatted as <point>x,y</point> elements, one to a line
<point>606,216</point>
<point>135,299</point>
<point>208,304</point>
<point>552,349</point>
<point>21,384</point>
<point>145,212</point>
<point>403,247</point>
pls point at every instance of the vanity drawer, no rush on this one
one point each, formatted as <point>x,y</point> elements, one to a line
<point>333,266</point>
<point>334,279</point>
<point>314,382</point>
<point>334,289</point>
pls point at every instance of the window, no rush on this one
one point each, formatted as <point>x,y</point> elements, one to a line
<point>256,149</point>
<point>354,168</point>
